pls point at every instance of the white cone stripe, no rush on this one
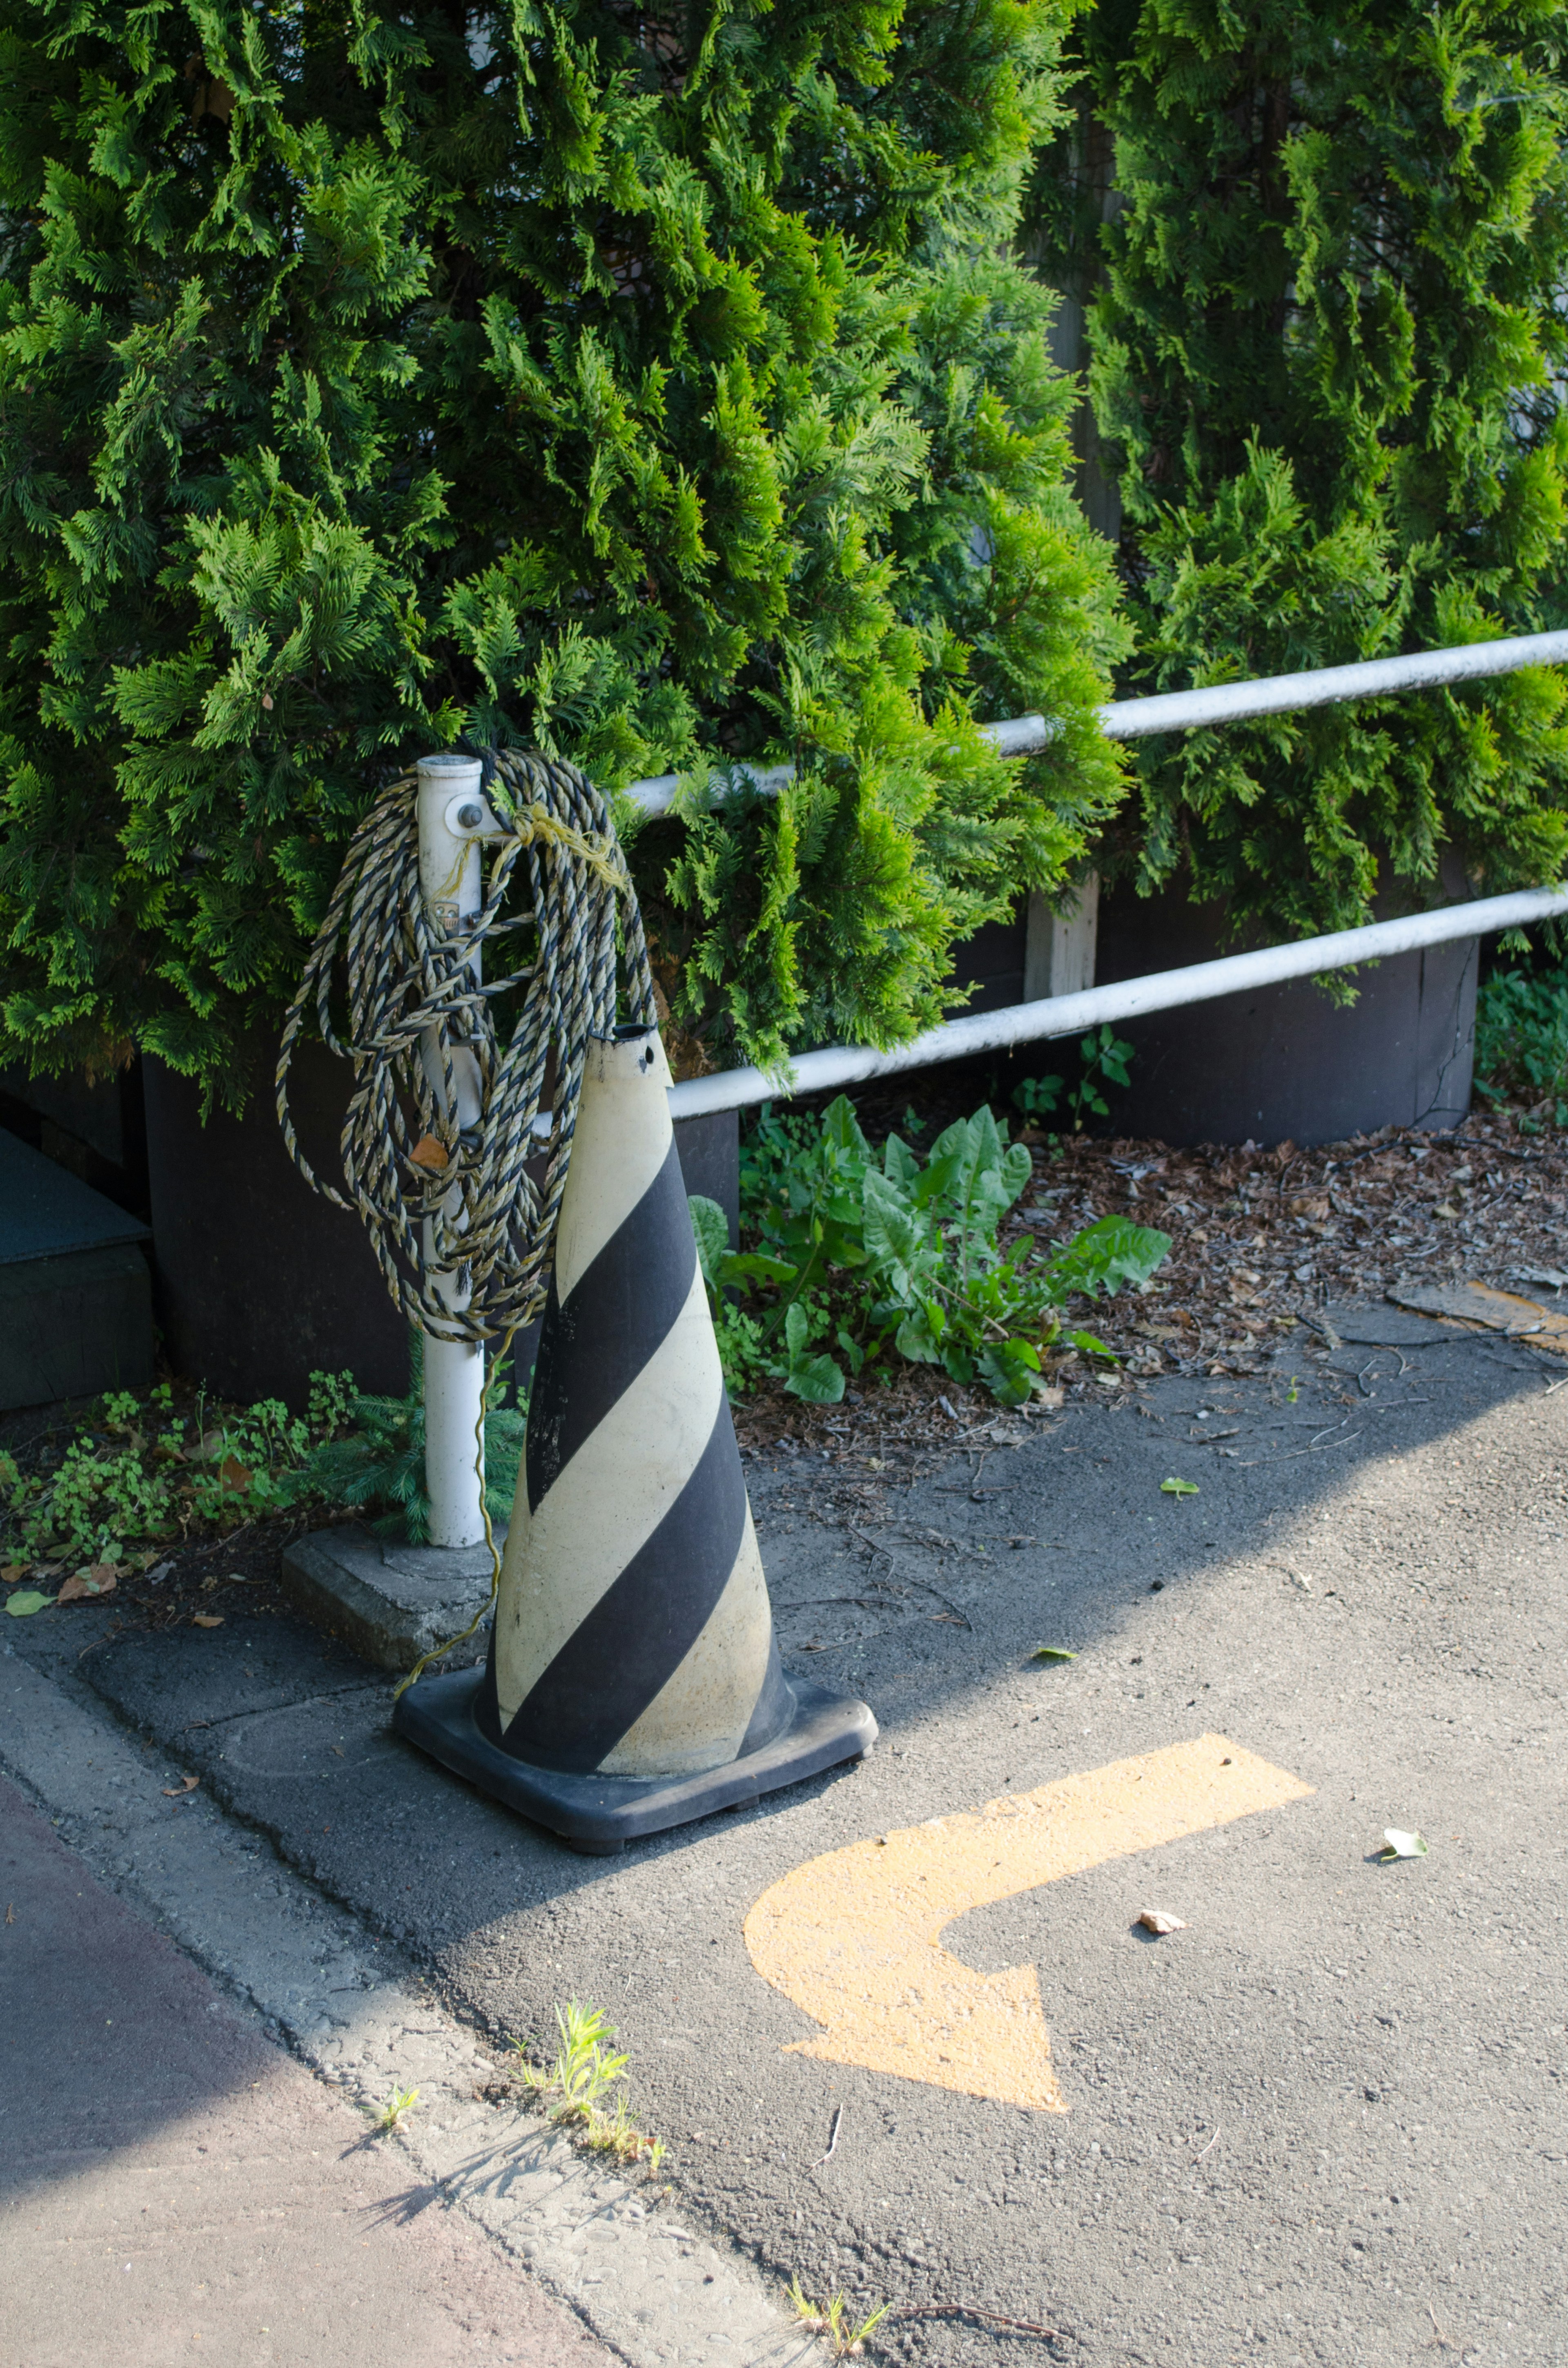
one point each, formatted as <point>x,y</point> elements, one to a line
<point>606,1503</point>
<point>619,1146</point>
<point>699,1716</point>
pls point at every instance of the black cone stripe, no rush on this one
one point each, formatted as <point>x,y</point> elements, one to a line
<point>775,1705</point>
<point>592,1349</point>
<point>645,1624</point>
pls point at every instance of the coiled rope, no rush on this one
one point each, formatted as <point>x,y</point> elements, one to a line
<point>459,1207</point>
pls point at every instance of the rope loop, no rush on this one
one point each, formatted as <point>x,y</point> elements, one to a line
<point>463,1221</point>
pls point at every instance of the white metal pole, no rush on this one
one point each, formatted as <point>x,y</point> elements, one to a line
<point>1127,998</point>
<point>452,815</point>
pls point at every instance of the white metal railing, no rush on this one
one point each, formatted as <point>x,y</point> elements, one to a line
<point>1221,703</point>
<point>1130,998</point>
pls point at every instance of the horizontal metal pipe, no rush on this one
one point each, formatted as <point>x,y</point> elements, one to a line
<point>1223,702</point>
<point>1127,998</point>
<point>1234,703</point>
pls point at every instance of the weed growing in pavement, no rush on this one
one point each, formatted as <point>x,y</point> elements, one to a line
<point>587,2070</point>
<point>833,2320</point>
<point>400,2102</point>
<point>860,1255</point>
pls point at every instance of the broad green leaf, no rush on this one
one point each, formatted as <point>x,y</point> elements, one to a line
<point>751,1266</point>
<point>1010,1369</point>
<point>914,1339</point>
<point>1053,1653</point>
<point>711,1229</point>
<point>1178,1487</point>
<point>900,1165</point>
<point>1105,1256</point>
<point>841,1129</point>
<point>814,1378</point>
<point>817,1380</point>
<point>1016,1170</point>
<point>26,1600</point>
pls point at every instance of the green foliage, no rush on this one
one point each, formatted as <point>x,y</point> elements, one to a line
<point>1521,1038</point>
<point>587,2069</point>
<point>142,1475</point>
<point>1104,1056</point>
<point>374,1459</point>
<point>1327,340</point>
<point>654,389</point>
<point>867,1254</point>
<point>393,2108</point>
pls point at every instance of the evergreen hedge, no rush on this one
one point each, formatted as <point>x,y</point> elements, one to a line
<point>1326,326</point>
<point>646,383</point>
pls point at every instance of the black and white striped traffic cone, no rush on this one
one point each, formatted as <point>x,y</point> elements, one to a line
<point>634,1680</point>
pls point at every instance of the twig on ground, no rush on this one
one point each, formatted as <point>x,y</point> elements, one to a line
<point>974,2310</point>
<point>1258,1460</point>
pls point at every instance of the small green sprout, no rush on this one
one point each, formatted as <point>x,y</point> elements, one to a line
<point>1053,1653</point>
<point>587,2069</point>
<point>833,2320</point>
<point>400,2102</point>
<point>1178,1487</point>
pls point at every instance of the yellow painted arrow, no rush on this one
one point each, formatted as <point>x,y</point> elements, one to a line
<point>853,1937</point>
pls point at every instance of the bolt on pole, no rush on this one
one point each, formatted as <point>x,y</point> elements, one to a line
<point>452,816</point>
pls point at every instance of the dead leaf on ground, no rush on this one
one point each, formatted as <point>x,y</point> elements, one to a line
<point>1401,1844</point>
<point>207,1620</point>
<point>233,1475</point>
<point>13,1571</point>
<point>177,1791</point>
<point>93,1579</point>
<point>1154,1920</point>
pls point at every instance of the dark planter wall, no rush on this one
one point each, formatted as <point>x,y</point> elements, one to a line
<point>257,1280</point>
<point>991,964</point>
<point>1283,1063</point>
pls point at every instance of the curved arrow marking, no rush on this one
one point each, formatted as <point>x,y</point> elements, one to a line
<point>854,1938</point>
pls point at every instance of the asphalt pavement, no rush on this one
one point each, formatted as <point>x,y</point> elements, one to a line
<point>1321,2119</point>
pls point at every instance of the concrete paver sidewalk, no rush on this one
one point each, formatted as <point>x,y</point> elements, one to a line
<point>172,2186</point>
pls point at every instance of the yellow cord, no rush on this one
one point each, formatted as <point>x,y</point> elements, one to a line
<point>438,1651</point>
<point>538,821</point>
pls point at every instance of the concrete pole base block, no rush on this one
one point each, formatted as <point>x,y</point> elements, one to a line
<point>391,1601</point>
<point>597,1815</point>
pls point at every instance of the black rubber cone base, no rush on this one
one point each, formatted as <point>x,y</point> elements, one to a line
<point>602,1812</point>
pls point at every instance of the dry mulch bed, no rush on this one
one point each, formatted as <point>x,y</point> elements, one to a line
<point>1260,1242</point>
